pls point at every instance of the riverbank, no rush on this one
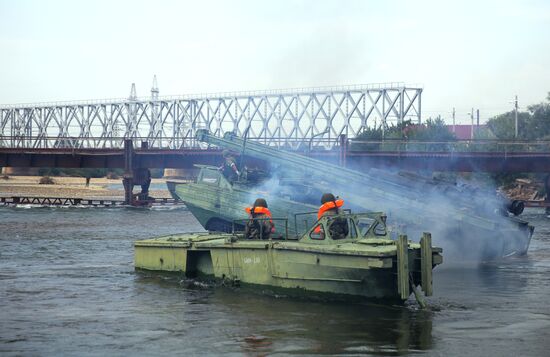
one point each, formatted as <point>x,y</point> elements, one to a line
<point>74,187</point>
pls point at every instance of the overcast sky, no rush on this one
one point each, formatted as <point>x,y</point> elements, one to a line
<point>464,53</point>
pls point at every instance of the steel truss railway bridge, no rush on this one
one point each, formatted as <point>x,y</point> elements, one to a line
<point>137,133</point>
<point>318,120</point>
<point>281,117</point>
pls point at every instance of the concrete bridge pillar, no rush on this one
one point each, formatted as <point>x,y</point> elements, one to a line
<point>128,178</point>
<point>134,175</point>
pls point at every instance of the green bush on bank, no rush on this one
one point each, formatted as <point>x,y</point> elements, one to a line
<point>406,136</point>
<point>533,130</point>
<point>533,124</point>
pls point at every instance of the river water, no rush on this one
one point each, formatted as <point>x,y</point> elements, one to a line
<point>68,287</point>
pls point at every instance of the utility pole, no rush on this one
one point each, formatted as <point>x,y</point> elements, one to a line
<point>454,127</point>
<point>516,116</point>
<point>472,126</point>
<point>477,118</point>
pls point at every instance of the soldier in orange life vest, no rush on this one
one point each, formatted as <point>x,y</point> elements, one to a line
<point>330,207</point>
<point>260,225</point>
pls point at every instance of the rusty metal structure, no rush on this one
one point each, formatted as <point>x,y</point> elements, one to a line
<point>72,201</point>
<point>275,117</point>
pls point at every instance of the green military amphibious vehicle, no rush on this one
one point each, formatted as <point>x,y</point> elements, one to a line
<point>469,223</point>
<point>216,203</point>
<point>365,263</point>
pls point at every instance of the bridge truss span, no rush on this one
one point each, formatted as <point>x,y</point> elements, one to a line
<point>279,118</point>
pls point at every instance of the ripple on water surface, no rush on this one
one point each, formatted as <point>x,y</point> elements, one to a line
<point>68,287</point>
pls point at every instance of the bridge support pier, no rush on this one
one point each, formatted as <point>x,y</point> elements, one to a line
<point>134,176</point>
<point>128,178</point>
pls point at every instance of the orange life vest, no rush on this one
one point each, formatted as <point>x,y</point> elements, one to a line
<point>258,210</point>
<point>261,210</point>
<point>325,207</point>
<point>328,206</point>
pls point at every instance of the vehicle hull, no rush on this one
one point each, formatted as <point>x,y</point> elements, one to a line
<point>218,208</point>
<point>348,269</point>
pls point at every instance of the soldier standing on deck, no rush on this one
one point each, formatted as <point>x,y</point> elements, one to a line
<point>260,225</point>
<point>229,168</point>
<point>330,206</point>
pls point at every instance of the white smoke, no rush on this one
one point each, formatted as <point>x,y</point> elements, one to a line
<point>467,221</point>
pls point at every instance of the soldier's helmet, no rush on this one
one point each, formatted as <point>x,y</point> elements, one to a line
<point>260,202</point>
<point>327,197</point>
<point>226,153</point>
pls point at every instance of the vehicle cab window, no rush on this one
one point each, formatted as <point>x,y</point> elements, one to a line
<point>352,230</point>
<point>318,233</point>
<point>338,227</point>
<point>366,224</point>
<point>209,177</point>
<point>380,229</point>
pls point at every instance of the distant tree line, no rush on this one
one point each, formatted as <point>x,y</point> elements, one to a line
<point>533,124</point>
<point>431,130</point>
<point>391,137</point>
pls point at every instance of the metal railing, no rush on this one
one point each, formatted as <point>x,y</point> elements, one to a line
<point>76,142</point>
<point>73,142</point>
<point>456,146</point>
<point>294,144</point>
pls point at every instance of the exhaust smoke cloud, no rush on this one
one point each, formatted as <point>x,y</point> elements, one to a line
<point>468,221</point>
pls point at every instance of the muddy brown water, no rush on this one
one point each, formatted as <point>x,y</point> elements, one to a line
<point>68,287</point>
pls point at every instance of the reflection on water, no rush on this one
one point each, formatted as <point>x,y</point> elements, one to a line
<point>67,286</point>
<point>258,322</point>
